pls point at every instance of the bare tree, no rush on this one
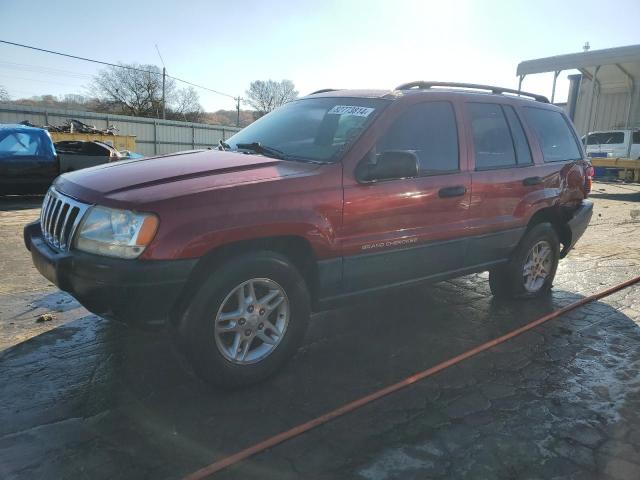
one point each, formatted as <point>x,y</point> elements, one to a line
<point>137,91</point>
<point>133,92</point>
<point>4,95</point>
<point>186,106</point>
<point>267,95</point>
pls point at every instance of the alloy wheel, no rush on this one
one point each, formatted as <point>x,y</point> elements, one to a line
<point>537,266</point>
<point>252,321</point>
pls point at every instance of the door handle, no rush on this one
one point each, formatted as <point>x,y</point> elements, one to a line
<point>527,182</point>
<point>456,191</point>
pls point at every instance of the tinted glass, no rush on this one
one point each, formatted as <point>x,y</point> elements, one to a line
<point>19,144</point>
<point>636,137</point>
<point>553,134</point>
<point>491,136</point>
<point>523,153</point>
<point>429,130</point>
<point>312,128</point>
<point>36,143</point>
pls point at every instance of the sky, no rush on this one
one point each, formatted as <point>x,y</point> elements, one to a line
<point>316,44</point>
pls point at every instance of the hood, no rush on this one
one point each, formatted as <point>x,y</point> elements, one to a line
<point>171,175</point>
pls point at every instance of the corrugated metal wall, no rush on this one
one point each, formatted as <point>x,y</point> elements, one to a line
<point>610,109</point>
<point>153,136</point>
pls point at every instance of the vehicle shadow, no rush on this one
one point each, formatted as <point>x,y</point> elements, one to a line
<point>109,400</point>
<point>621,197</point>
<point>20,202</point>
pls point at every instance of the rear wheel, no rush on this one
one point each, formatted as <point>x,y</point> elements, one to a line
<point>532,268</point>
<point>248,317</point>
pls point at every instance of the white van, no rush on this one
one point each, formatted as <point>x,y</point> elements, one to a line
<point>614,144</point>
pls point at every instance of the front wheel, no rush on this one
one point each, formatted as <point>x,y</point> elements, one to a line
<point>248,317</point>
<point>532,267</point>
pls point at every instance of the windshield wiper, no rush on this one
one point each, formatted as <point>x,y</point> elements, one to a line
<point>262,149</point>
<point>222,145</point>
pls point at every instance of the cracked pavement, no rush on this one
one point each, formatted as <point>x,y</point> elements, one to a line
<point>85,397</point>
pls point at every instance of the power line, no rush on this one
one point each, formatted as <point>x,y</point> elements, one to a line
<point>43,70</point>
<point>13,77</point>
<point>200,86</point>
<point>114,65</point>
<point>76,57</point>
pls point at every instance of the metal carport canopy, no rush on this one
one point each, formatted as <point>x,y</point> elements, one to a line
<point>610,56</point>
<point>609,68</point>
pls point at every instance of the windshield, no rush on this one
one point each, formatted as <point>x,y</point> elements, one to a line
<point>315,129</point>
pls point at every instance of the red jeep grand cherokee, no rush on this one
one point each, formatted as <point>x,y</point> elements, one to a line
<point>334,195</point>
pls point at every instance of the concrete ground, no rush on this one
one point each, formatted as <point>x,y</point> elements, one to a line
<point>84,397</point>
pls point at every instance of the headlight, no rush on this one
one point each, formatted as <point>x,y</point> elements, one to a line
<point>116,233</point>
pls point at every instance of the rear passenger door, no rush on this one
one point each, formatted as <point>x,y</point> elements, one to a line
<point>400,230</point>
<point>504,174</point>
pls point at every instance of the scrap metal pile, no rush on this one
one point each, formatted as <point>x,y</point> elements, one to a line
<point>75,126</point>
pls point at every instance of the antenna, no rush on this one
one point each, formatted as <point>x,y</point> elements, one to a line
<point>160,55</point>
<point>164,83</point>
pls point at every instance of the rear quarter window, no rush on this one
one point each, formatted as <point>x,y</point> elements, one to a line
<point>553,133</point>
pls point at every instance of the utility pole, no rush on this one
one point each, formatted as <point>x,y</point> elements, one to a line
<point>237,99</point>
<point>164,83</point>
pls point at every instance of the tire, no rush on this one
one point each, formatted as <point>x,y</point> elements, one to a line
<point>208,339</point>
<point>510,281</point>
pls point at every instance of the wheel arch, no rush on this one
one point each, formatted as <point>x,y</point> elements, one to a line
<point>296,249</point>
<point>558,218</point>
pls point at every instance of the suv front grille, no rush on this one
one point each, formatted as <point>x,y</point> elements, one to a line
<point>59,219</point>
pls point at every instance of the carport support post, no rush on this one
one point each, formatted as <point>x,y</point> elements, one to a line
<point>593,92</point>
<point>520,83</point>
<point>553,89</point>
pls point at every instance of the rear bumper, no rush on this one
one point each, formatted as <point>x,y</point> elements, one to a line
<point>579,222</point>
<point>133,291</point>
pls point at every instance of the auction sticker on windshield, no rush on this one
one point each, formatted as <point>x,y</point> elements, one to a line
<point>351,110</point>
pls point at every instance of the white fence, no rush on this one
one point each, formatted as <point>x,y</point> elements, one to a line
<point>153,136</point>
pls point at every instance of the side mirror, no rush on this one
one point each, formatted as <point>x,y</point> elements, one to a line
<point>389,165</point>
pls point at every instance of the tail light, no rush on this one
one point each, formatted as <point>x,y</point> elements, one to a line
<point>589,173</point>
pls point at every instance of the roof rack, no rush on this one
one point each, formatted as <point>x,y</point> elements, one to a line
<point>497,90</point>
<point>324,90</point>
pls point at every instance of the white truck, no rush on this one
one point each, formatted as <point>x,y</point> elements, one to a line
<point>613,144</point>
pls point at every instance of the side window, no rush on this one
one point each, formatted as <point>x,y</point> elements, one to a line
<point>491,136</point>
<point>429,130</point>
<point>523,152</point>
<point>19,144</point>
<point>553,134</point>
<point>636,137</point>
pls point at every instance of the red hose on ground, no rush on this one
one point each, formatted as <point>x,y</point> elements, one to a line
<point>349,407</point>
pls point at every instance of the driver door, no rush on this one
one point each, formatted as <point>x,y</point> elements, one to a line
<point>398,231</point>
<point>26,166</point>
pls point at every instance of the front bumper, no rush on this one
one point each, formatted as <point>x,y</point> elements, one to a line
<point>133,291</point>
<point>580,221</point>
